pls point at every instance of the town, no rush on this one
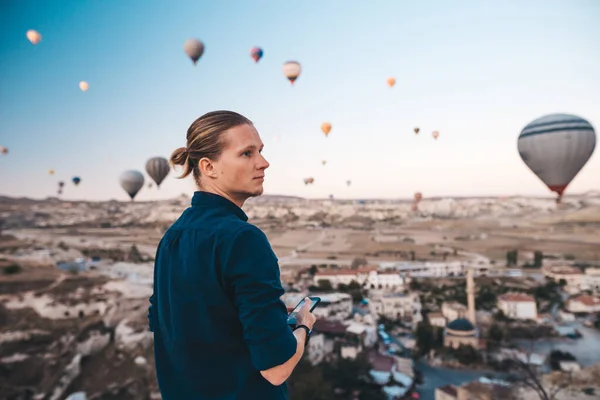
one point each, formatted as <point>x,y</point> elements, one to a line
<point>409,309</point>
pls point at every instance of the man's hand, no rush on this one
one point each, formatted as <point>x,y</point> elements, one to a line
<point>305,317</point>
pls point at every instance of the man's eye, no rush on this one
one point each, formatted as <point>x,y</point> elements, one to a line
<point>246,153</point>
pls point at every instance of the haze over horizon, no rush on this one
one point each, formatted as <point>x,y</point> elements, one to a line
<point>476,73</point>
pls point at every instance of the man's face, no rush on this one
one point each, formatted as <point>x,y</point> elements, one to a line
<point>240,171</point>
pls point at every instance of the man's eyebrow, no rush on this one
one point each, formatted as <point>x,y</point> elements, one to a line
<point>252,147</point>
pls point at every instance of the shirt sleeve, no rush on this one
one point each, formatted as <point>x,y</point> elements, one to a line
<point>251,273</point>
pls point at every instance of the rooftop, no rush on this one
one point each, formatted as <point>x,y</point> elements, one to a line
<point>517,298</point>
<point>461,325</point>
<point>587,300</point>
<point>448,389</point>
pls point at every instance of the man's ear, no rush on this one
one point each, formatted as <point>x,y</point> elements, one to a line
<point>207,167</point>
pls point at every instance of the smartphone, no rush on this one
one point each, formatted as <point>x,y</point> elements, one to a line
<point>292,316</point>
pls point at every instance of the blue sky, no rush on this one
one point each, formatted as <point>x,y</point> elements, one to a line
<point>477,71</point>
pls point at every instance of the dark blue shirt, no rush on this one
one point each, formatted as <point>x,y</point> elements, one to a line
<point>216,311</point>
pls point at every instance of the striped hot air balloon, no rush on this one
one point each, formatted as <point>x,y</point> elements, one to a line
<point>158,168</point>
<point>555,147</point>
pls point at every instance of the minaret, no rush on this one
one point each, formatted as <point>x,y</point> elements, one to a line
<point>470,296</point>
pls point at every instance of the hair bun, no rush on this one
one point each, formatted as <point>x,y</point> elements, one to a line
<point>179,156</point>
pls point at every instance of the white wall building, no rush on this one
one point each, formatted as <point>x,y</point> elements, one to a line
<point>334,306</point>
<point>437,319</point>
<point>385,280</point>
<point>397,306</point>
<point>316,348</point>
<point>584,304</point>
<point>518,306</point>
<point>345,276</point>
<point>452,310</point>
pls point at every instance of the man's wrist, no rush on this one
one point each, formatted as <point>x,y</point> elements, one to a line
<point>306,330</point>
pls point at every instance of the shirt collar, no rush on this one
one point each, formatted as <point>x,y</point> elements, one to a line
<point>207,199</point>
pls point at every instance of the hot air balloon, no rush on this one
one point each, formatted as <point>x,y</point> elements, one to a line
<point>308,180</point>
<point>391,82</point>
<point>256,53</point>
<point>194,49</point>
<point>555,147</point>
<point>3,150</point>
<point>132,181</point>
<point>84,86</point>
<point>51,172</point>
<point>326,128</point>
<point>348,183</point>
<point>416,129</point>
<point>61,184</point>
<point>324,162</point>
<point>76,180</point>
<point>158,168</point>
<point>33,36</point>
<point>435,134</point>
<point>418,196</point>
<point>292,69</point>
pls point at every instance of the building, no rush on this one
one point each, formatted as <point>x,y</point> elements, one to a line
<point>518,306</point>
<point>447,392</point>
<point>335,306</point>
<point>475,390</point>
<point>316,350</point>
<point>345,276</point>
<point>463,331</point>
<point>402,307</point>
<point>452,310</point>
<point>584,304</point>
<point>436,319</point>
<point>385,280</point>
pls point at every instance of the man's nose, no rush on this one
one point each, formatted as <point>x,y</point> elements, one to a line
<point>263,163</point>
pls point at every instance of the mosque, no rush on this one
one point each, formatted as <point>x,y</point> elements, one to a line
<point>464,330</point>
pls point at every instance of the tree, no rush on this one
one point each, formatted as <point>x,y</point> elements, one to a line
<point>496,333</point>
<point>313,270</point>
<point>538,258</point>
<point>358,262</point>
<point>325,285</point>
<point>307,383</point>
<point>512,258</point>
<point>425,337</point>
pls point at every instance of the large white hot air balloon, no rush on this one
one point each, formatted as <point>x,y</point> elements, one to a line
<point>132,181</point>
<point>84,86</point>
<point>555,147</point>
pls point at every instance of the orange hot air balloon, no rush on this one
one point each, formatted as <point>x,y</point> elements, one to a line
<point>326,128</point>
<point>435,134</point>
<point>33,36</point>
<point>3,150</point>
<point>391,82</point>
<point>308,180</point>
<point>84,86</point>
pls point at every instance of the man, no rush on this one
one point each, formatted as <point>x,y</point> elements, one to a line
<point>220,328</point>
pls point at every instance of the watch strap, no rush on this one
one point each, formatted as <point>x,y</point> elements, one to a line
<point>308,332</point>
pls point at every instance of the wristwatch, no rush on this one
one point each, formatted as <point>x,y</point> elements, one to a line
<point>308,332</point>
